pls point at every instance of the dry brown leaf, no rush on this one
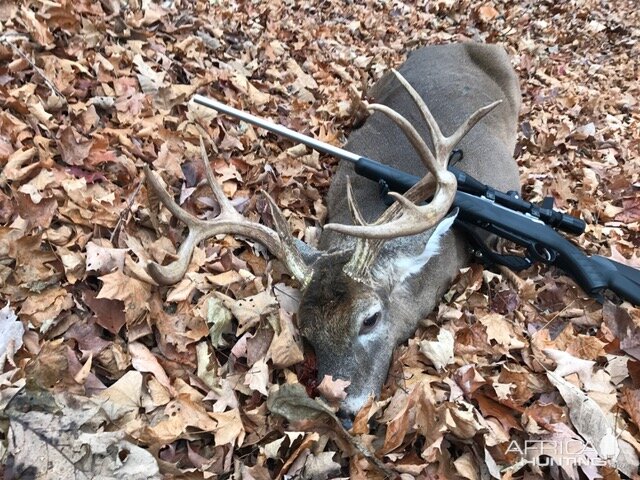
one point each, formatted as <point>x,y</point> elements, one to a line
<point>229,429</point>
<point>257,378</point>
<point>333,390</point>
<point>104,259</point>
<point>144,361</point>
<point>43,309</point>
<point>487,12</point>
<point>285,349</point>
<point>176,420</point>
<point>439,352</point>
<point>133,293</point>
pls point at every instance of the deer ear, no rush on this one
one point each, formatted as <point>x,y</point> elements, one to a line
<point>404,267</point>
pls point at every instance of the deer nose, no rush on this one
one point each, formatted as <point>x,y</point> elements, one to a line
<point>345,418</point>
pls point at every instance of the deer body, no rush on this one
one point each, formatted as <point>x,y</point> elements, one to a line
<point>364,292</point>
<point>454,80</point>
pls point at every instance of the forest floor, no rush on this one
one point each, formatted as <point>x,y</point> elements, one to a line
<point>104,374</point>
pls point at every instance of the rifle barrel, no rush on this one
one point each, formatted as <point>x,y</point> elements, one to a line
<point>397,180</point>
<point>279,129</point>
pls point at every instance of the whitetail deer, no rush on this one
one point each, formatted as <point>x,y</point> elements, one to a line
<point>379,271</point>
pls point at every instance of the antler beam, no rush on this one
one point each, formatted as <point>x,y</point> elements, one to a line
<point>279,242</point>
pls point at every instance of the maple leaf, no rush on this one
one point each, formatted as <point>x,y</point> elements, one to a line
<point>133,293</point>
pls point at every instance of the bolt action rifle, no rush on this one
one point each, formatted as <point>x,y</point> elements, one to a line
<point>534,227</point>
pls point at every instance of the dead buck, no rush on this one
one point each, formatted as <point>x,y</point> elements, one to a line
<point>379,271</point>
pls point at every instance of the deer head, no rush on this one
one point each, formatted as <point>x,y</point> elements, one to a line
<point>356,301</point>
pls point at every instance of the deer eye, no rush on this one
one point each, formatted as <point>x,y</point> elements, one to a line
<point>370,321</point>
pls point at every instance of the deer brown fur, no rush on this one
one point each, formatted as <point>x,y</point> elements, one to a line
<point>454,80</point>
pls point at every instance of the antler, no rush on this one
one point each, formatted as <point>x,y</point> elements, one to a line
<point>417,219</point>
<point>405,217</point>
<point>279,242</point>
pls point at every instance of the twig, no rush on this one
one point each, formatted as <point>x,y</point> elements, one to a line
<point>4,39</point>
<point>124,213</point>
<point>558,314</point>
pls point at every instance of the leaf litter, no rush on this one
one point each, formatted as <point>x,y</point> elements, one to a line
<point>106,374</point>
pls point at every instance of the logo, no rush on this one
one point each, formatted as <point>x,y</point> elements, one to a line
<point>566,452</point>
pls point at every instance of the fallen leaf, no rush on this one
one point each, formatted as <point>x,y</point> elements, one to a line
<point>133,292</point>
<point>144,361</point>
<point>285,349</point>
<point>333,390</point>
<point>11,332</point>
<point>175,421</point>
<point>487,12</point>
<point>218,317</point>
<point>257,378</point>
<point>103,259</point>
<point>248,311</point>
<point>439,352</point>
<point>42,309</point>
<point>64,437</point>
<point>229,429</point>
<point>591,423</point>
<point>74,152</point>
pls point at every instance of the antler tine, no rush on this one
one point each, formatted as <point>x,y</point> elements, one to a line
<point>414,219</point>
<point>221,198</point>
<point>356,215</point>
<point>291,255</point>
<point>280,242</point>
<point>172,273</point>
<point>443,145</point>
<point>412,135</point>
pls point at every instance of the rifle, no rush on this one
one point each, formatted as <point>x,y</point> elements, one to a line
<point>480,206</point>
